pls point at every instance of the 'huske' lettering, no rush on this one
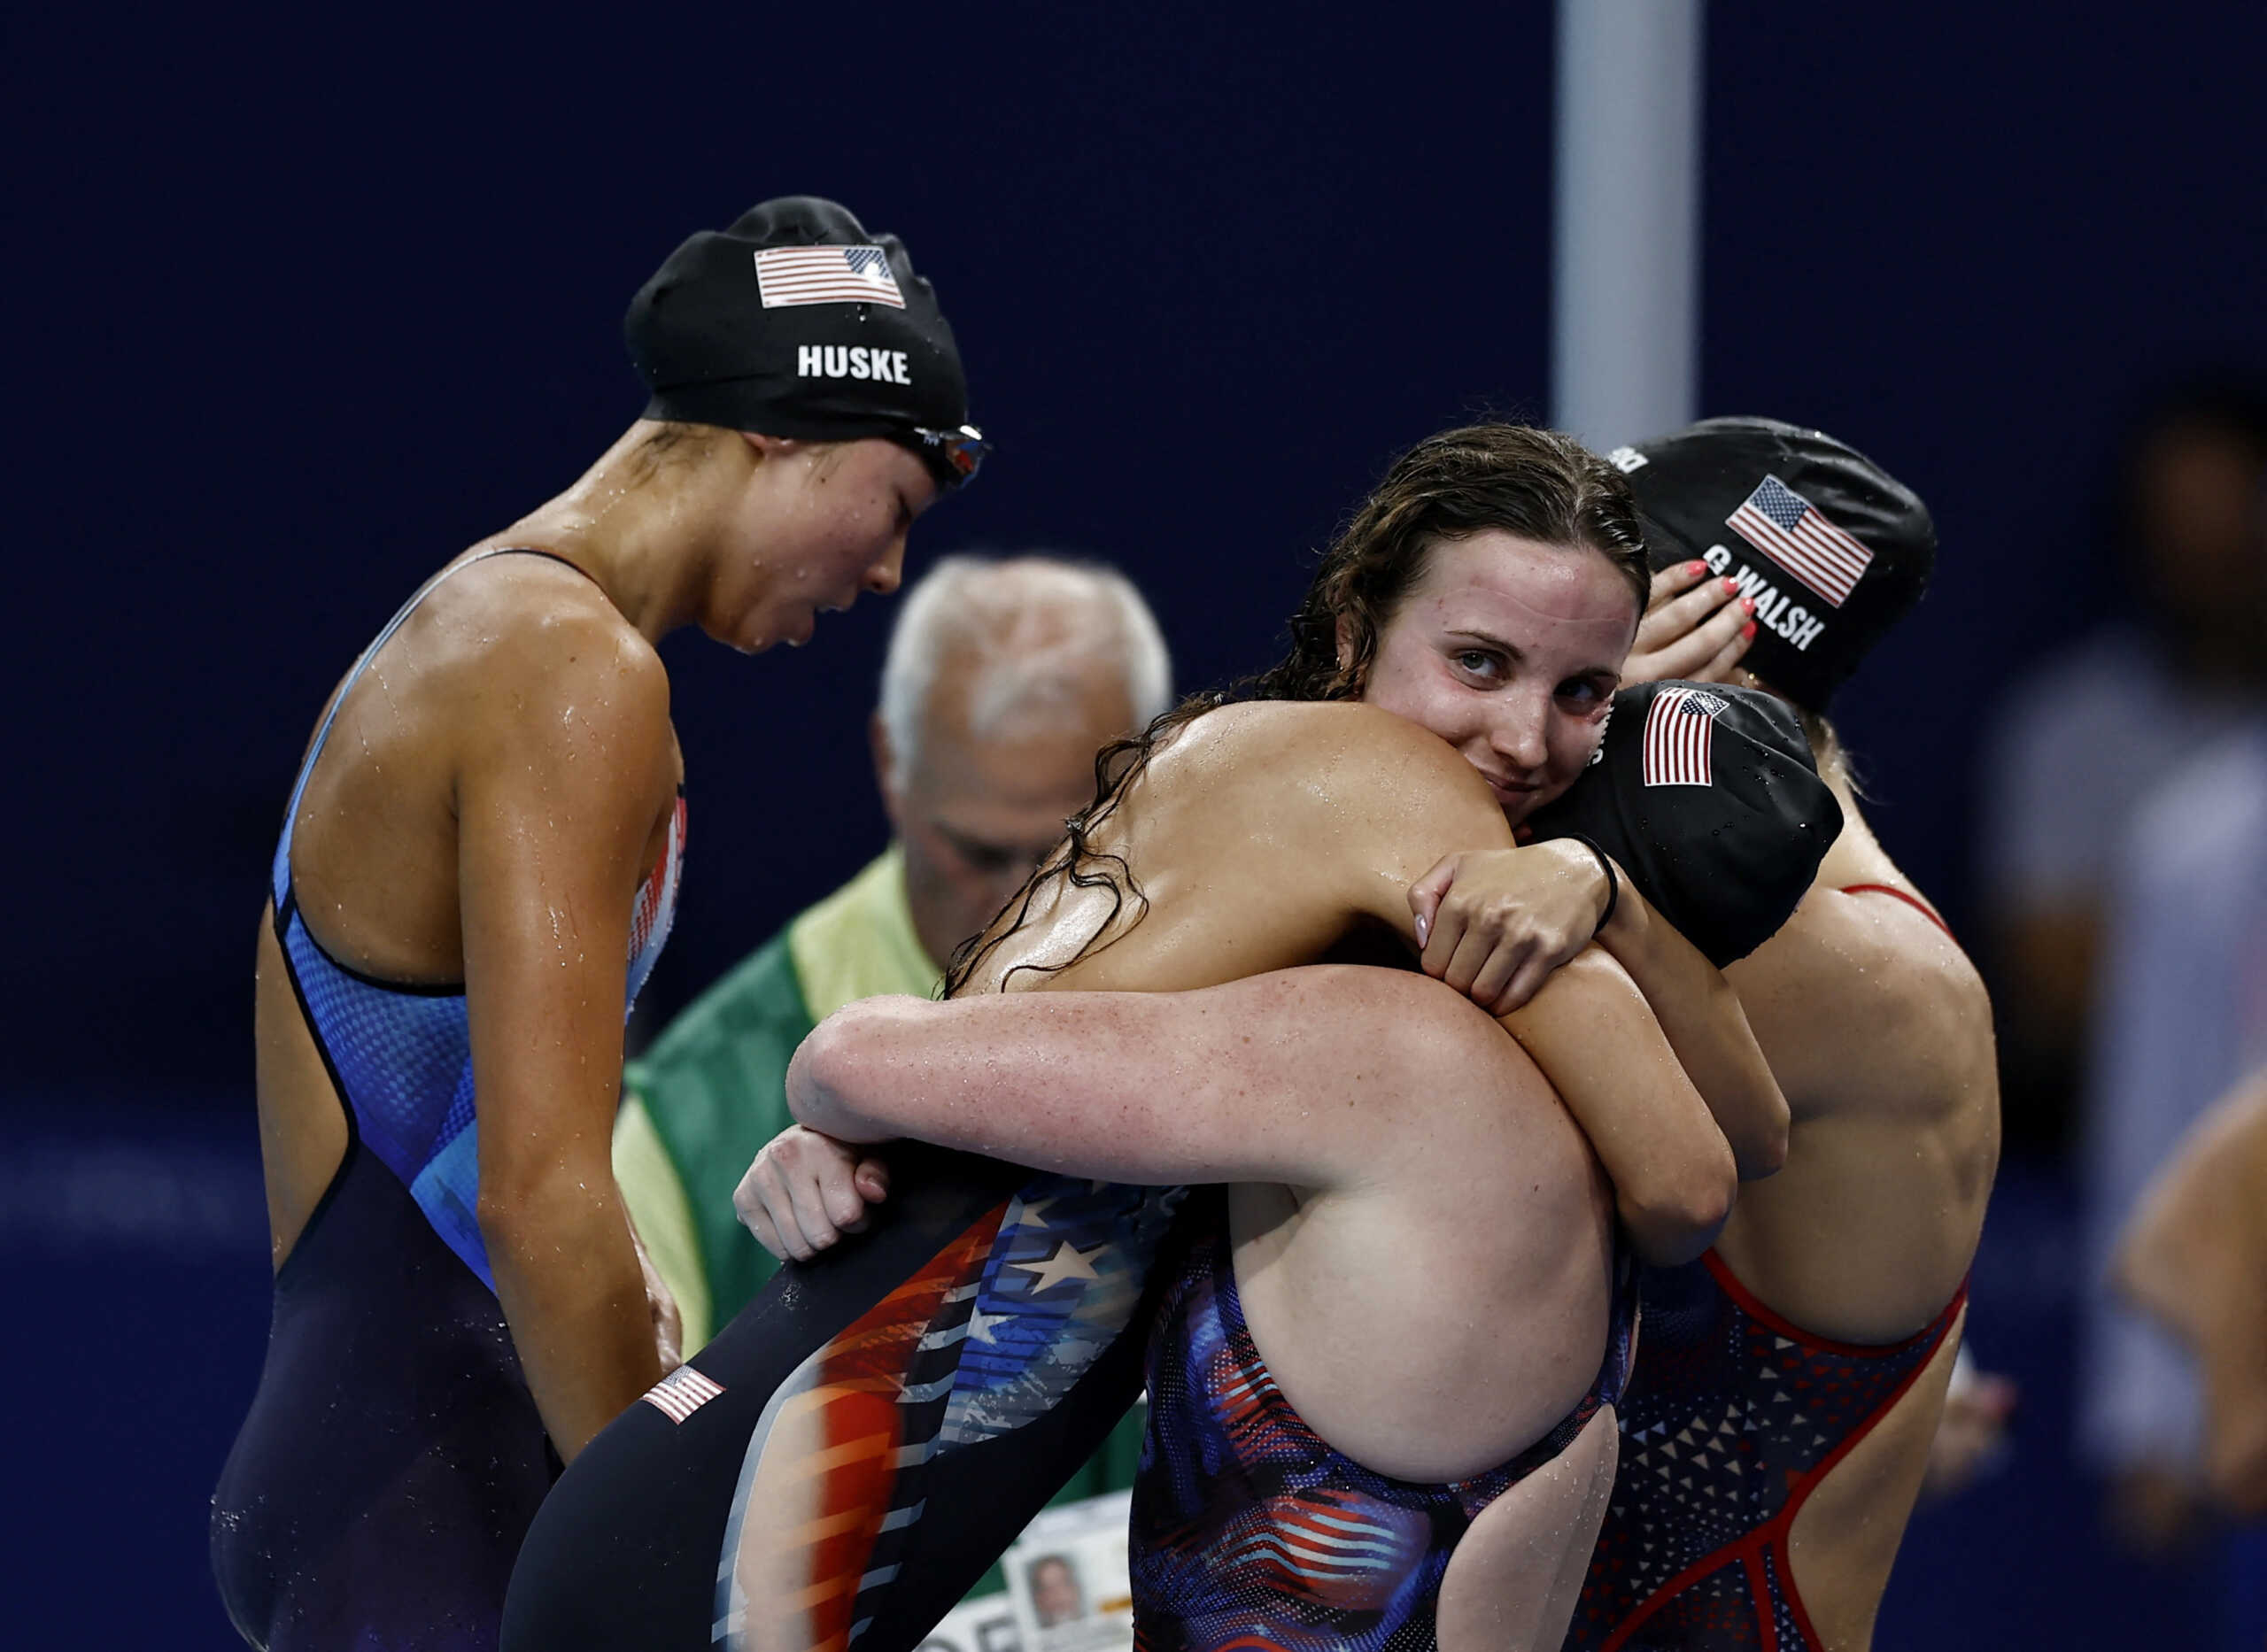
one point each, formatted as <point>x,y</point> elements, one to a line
<point>853,361</point>
<point>1773,609</point>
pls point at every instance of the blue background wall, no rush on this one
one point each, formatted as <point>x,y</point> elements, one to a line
<point>303,307</point>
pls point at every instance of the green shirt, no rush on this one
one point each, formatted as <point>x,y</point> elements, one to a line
<point>711,1090</point>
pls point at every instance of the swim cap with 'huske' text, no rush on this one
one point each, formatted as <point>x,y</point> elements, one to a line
<point>796,322</point>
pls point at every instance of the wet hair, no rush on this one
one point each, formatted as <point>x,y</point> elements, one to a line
<point>1536,483</point>
<point>667,442</point>
<point>672,439</point>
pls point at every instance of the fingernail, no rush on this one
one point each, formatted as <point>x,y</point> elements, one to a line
<point>1747,631</point>
<point>1747,604</point>
<point>1696,569</point>
<point>1731,584</point>
<point>1424,930</point>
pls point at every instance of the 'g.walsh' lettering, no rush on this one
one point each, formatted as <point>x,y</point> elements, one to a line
<point>1773,610</point>
<point>854,361</point>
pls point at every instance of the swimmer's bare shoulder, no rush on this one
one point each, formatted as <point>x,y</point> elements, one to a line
<point>1259,838</point>
<point>522,634</point>
<point>1862,1004</point>
<point>510,666</point>
<point>498,782</point>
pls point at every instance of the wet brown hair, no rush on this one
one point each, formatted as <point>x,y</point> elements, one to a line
<point>1536,483</point>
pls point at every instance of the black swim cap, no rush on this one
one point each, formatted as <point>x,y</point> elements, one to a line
<point>1833,549</point>
<point>1708,797</point>
<point>796,322</point>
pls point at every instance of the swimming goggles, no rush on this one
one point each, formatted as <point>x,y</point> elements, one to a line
<point>953,457</point>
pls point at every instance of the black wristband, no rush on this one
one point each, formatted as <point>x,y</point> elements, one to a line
<point>1612,884</point>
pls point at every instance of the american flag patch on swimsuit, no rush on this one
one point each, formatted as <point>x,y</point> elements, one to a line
<point>1795,534</point>
<point>793,276</point>
<point>682,1392</point>
<point>1679,727</point>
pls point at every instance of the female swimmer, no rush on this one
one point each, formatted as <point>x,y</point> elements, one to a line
<point>477,868</point>
<point>859,1444</point>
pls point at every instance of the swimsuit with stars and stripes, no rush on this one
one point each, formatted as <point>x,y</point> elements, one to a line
<point>1251,1533</point>
<point>1733,1419</point>
<point>853,1451</point>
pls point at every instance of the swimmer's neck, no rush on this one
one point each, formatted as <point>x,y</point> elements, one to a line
<point>1856,855</point>
<point>648,530</point>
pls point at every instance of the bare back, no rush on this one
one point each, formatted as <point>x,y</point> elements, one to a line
<point>1218,837</point>
<point>1880,1031</point>
<point>1228,873</point>
<point>1435,1314</point>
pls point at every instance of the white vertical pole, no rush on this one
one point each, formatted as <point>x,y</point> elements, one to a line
<point>1626,250</point>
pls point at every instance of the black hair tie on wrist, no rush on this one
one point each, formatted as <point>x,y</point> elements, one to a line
<point>1612,884</point>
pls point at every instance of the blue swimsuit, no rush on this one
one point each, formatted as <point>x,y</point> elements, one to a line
<point>393,1458</point>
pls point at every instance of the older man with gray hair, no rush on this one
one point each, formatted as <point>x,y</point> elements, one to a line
<point>1003,680</point>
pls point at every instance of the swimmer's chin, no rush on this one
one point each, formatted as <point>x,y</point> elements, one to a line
<point>757,636</point>
<point>1511,797</point>
<point>1519,801</point>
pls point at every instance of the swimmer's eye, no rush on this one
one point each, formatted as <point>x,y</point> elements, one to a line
<point>1479,662</point>
<point>1587,693</point>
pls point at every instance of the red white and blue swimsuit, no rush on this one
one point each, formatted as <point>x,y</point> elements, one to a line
<point>1250,1534</point>
<point>1732,1419</point>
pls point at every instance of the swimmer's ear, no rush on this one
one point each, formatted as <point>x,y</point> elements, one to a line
<point>1345,643</point>
<point>765,446</point>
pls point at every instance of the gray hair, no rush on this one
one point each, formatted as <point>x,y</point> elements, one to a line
<point>1037,625</point>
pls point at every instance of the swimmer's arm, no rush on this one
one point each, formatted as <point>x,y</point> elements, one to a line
<point>567,768</point>
<point>2193,1257</point>
<point>1246,1082</point>
<point>1595,1038</point>
<point>1237,1083</point>
<point>1673,1173</point>
<point>1701,1016</point>
<point>1696,1007</point>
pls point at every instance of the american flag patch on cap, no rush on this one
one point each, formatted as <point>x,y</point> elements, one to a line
<point>682,1392</point>
<point>1792,532</point>
<point>1680,728</point>
<point>793,276</point>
